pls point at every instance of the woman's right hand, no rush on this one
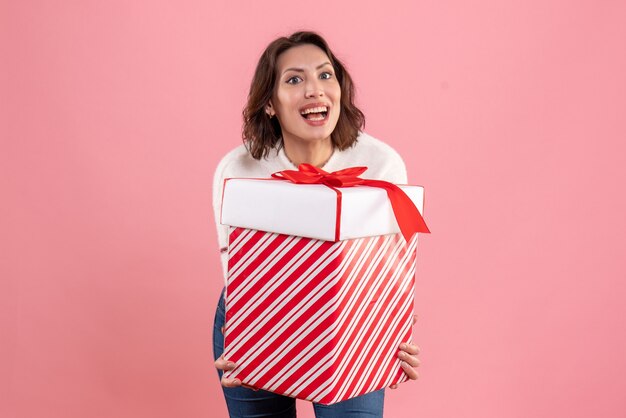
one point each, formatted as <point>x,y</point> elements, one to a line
<point>224,365</point>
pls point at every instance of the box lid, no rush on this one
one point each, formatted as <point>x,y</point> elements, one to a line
<point>310,210</point>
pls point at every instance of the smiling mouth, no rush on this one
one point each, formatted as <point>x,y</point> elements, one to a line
<point>315,114</point>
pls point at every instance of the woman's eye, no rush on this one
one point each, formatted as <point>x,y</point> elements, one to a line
<point>326,75</point>
<point>293,80</point>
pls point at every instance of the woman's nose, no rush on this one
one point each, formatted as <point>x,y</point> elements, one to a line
<point>314,88</point>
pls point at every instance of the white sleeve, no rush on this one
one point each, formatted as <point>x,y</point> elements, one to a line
<point>222,230</point>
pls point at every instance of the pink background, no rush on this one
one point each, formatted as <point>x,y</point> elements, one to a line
<point>115,114</point>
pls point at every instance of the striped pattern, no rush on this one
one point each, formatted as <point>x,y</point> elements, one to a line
<point>318,320</point>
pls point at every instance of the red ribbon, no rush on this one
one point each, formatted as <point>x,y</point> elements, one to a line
<point>409,218</point>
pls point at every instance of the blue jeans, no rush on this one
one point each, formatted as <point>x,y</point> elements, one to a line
<point>247,403</point>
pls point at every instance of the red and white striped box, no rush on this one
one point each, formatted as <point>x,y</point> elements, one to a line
<point>317,319</point>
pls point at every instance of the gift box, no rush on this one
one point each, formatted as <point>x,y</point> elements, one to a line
<point>320,285</point>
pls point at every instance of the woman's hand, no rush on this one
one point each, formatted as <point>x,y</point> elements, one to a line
<point>408,354</point>
<point>224,365</point>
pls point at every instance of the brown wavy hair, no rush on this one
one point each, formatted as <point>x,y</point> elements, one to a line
<point>260,133</point>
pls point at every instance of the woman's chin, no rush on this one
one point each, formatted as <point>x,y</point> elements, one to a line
<point>310,135</point>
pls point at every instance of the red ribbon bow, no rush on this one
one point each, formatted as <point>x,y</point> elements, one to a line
<point>409,219</point>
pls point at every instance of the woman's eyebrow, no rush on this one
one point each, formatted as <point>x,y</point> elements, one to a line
<point>300,70</point>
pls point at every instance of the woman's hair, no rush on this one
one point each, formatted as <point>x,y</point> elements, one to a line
<point>260,133</point>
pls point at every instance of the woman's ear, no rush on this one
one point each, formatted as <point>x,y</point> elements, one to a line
<point>269,109</point>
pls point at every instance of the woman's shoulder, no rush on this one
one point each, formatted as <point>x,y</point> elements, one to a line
<point>382,160</point>
<point>228,166</point>
<point>370,145</point>
<point>238,162</point>
<point>232,159</point>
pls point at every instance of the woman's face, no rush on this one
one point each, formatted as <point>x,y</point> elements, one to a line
<point>306,99</point>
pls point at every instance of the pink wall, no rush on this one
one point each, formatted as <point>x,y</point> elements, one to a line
<point>115,113</point>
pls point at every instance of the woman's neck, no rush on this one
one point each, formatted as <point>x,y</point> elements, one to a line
<point>316,153</point>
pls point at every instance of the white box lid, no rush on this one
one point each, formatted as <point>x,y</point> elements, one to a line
<point>309,210</point>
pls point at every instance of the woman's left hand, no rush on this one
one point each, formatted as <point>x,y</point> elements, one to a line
<point>408,356</point>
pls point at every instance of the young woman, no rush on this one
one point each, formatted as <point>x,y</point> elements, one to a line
<point>300,110</point>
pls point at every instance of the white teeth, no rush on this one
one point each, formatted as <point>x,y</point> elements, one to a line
<point>314,110</point>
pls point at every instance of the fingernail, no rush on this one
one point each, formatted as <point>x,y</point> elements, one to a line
<point>230,364</point>
<point>403,346</point>
<point>401,354</point>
